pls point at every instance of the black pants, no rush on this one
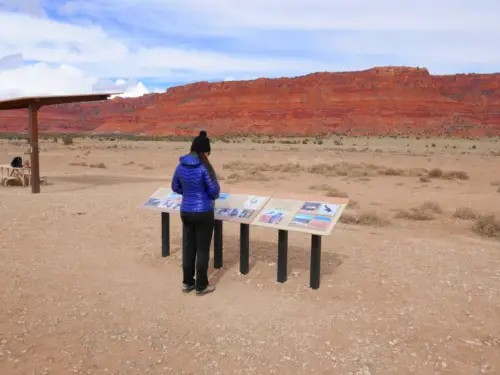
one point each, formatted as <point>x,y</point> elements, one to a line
<point>197,233</point>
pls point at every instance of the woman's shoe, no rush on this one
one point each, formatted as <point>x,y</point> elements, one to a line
<point>209,289</point>
<point>188,288</point>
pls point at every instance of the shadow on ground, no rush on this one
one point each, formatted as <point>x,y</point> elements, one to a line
<point>299,258</point>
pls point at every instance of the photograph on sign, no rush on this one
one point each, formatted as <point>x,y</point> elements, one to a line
<point>238,207</point>
<point>272,216</point>
<point>278,213</point>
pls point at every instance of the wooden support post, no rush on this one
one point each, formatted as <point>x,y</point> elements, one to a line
<point>218,244</point>
<point>34,152</point>
<point>315,261</point>
<point>244,248</point>
<point>282,256</point>
<point>165,234</point>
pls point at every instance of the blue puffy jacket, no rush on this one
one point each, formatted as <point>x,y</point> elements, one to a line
<point>192,180</point>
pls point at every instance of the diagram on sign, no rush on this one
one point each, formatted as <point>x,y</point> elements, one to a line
<point>254,202</point>
<point>240,208</point>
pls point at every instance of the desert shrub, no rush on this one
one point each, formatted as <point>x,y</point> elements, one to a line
<point>425,179</point>
<point>435,173</point>
<point>128,163</point>
<point>67,140</point>
<point>98,165</point>
<point>487,226</point>
<point>337,142</point>
<point>369,218</point>
<point>495,183</point>
<point>498,190</point>
<point>465,213</point>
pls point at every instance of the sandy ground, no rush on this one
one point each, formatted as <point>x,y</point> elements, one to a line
<point>85,290</point>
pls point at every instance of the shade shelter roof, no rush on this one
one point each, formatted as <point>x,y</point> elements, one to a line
<point>33,104</point>
<point>40,101</point>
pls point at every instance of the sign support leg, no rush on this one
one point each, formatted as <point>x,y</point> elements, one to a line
<point>244,248</point>
<point>282,255</point>
<point>218,244</point>
<point>165,234</point>
<point>315,261</point>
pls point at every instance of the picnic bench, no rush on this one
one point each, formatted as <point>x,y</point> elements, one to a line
<point>10,175</point>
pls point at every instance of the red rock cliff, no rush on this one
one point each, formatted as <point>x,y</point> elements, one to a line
<point>383,100</point>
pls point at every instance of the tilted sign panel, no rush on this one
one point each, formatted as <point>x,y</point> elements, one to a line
<point>236,207</point>
<point>301,214</point>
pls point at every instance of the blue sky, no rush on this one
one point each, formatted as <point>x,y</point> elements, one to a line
<point>62,46</point>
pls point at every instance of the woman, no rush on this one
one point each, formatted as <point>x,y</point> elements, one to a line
<point>195,180</point>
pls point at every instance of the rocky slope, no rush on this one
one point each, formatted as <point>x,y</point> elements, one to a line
<point>384,100</point>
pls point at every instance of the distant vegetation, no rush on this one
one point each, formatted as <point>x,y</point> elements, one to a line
<point>337,138</point>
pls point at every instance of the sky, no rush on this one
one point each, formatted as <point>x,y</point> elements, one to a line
<point>50,47</point>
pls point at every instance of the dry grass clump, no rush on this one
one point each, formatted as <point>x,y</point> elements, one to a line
<point>128,163</point>
<point>249,167</point>
<point>487,226</point>
<point>425,179</point>
<point>79,164</point>
<point>333,192</point>
<point>448,175</point>
<point>498,190</point>
<point>426,211</point>
<point>145,167</point>
<point>392,172</point>
<point>495,183</point>
<point>341,169</point>
<point>320,187</point>
<point>464,213</point>
<point>98,165</point>
<point>353,204</point>
<point>369,218</point>
<point>234,178</point>
<point>329,191</point>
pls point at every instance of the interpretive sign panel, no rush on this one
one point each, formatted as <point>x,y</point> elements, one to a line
<point>164,200</point>
<point>240,207</point>
<point>233,206</point>
<point>308,214</point>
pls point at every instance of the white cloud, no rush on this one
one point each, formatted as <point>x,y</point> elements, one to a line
<point>42,79</point>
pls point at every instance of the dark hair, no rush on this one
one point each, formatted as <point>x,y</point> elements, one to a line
<point>204,160</point>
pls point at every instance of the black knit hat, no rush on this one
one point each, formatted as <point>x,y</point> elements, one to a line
<point>201,143</point>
